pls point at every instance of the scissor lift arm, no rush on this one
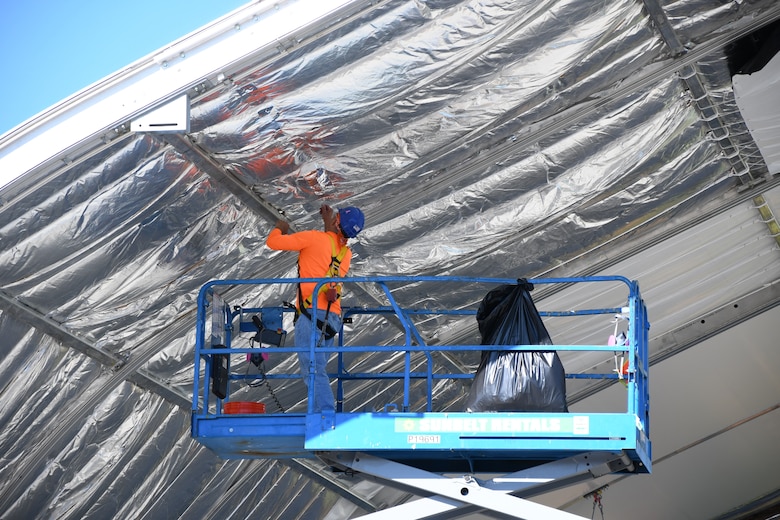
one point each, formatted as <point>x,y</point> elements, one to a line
<point>457,496</point>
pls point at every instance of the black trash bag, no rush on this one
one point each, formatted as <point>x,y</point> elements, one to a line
<point>532,381</point>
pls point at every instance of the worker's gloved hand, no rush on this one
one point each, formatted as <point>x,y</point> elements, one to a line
<point>283,226</point>
<point>326,212</point>
<point>328,217</point>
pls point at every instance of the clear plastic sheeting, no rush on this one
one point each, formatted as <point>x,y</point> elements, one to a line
<point>507,138</point>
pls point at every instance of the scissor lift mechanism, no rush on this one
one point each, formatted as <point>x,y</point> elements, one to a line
<point>415,449</point>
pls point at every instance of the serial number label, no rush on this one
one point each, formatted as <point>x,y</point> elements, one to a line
<point>423,439</point>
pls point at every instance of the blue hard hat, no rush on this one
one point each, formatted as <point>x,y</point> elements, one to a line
<point>352,221</point>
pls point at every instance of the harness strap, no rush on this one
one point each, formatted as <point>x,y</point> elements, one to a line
<point>336,258</point>
<point>333,272</point>
<point>327,331</point>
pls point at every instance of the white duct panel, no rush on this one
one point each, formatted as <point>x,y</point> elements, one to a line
<point>758,98</point>
<point>154,80</point>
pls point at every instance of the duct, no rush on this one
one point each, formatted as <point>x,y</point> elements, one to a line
<point>515,139</point>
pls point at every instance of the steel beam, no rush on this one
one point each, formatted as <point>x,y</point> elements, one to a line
<point>46,325</point>
<point>325,478</point>
<point>195,154</point>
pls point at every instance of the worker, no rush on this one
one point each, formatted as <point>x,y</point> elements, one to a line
<point>320,254</point>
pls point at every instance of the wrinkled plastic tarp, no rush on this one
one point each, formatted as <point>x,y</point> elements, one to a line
<point>530,381</point>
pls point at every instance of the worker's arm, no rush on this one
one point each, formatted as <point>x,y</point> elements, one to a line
<point>279,238</point>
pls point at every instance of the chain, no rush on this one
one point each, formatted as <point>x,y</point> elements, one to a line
<point>270,389</point>
<point>264,380</point>
<point>597,501</point>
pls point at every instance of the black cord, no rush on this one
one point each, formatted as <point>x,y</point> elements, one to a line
<point>270,389</point>
<point>263,380</point>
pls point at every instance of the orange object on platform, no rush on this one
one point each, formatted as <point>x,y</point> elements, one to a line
<point>243,407</point>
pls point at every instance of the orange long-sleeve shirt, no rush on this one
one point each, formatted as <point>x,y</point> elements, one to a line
<point>315,250</point>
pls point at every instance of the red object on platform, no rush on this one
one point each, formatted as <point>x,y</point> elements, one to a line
<point>243,407</point>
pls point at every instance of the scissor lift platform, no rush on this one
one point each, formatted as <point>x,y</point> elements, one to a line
<point>392,443</point>
<point>438,442</point>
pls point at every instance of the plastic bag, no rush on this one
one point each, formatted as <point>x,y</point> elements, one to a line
<point>532,381</point>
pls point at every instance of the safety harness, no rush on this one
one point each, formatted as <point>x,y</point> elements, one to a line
<point>332,290</point>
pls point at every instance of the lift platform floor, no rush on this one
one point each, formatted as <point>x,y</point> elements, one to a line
<point>438,442</point>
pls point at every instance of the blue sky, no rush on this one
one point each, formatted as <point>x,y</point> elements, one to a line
<point>50,49</point>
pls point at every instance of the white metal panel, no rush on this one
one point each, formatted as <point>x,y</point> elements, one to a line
<point>758,98</point>
<point>174,116</point>
<point>154,80</point>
